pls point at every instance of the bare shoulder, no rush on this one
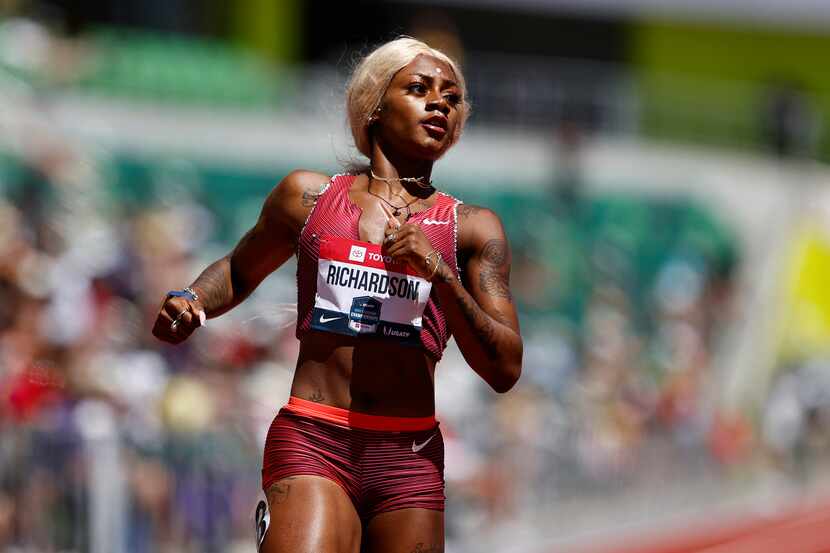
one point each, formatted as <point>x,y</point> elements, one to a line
<point>292,199</point>
<point>301,185</point>
<point>477,226</point>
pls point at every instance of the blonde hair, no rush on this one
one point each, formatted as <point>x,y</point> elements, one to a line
<point>372,76</point>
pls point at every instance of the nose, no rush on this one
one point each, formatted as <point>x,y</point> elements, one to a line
<point>437,101</point>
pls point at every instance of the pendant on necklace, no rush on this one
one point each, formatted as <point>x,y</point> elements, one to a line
<point>396,212</point>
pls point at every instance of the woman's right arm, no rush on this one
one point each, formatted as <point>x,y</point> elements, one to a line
<point>225,283</point>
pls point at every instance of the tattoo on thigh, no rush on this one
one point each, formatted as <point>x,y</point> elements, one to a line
<point>434,548</point>
<point>278,492</point>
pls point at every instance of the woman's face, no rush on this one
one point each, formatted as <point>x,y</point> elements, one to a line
<point>420,110</point>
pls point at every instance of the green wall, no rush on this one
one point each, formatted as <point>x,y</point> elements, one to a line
<point>707,81</point>
<point>271,27</point>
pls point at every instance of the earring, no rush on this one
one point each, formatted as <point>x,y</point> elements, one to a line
<point>374,117</point>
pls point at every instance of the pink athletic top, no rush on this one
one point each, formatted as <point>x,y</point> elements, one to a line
<point>335,220</point>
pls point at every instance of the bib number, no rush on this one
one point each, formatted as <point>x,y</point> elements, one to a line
<point>362,292</point>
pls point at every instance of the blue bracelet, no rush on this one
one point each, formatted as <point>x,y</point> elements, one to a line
<point>188,293</point>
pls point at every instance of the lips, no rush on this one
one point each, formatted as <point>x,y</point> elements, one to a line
<point>435,125</point>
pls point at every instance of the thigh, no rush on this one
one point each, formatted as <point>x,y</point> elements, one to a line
<point>405,531</point>
<point>311,514</point>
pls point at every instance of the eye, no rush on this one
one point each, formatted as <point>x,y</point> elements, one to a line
<point>418,88</point>
<point>453,99</point>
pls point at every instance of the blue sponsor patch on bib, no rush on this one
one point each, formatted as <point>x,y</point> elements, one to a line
<point>364,314</point>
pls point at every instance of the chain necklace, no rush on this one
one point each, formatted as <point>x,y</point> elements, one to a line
<point>396,209</point>
<point>419,181</point>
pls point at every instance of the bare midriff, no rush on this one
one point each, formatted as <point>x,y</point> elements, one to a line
<point>365,375</point>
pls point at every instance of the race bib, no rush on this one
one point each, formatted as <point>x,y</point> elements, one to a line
<point>362,292</point>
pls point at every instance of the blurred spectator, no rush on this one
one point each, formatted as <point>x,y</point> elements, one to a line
<point>789,121</point>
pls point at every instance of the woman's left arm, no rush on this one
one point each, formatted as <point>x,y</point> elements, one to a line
<point>480,310</point>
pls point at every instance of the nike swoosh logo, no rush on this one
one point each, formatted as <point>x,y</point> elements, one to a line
<point>416,447</point>
<point>434,222</point>
<point>324,319</point>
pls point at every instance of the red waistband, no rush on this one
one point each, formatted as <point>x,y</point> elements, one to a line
<point>346,417</point>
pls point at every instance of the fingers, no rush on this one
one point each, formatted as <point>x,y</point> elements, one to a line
<point>391,220</point>
<point>395,231</point>
<point>402,242</point>
<point>409,244</point>
<point>390,236</point>
<point>396,235</point>
<point>177,319</point>
<point>183,320</point>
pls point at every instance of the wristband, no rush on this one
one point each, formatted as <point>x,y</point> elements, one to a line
<point>188,293</point>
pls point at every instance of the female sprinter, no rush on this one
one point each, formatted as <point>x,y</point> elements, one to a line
<point>388,269</point>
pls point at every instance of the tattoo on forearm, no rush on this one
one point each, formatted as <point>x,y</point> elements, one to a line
<point>481,323</point>
<point>500,317</point>
<point>213,286</point>
<point>466,210</point>
<point>493,279</point>
<point>316,396</point>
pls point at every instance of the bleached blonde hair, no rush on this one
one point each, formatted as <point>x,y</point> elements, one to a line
<point>372,76</point>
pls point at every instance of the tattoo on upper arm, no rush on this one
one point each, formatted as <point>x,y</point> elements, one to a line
<point>493,278</point>
<point>465,210</point>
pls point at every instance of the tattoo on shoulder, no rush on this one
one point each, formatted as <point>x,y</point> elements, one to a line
<point>465,210</point>
<point>493,278</point>
<point>311,196</point>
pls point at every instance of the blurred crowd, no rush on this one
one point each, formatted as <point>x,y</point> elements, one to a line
<point>113,441</point>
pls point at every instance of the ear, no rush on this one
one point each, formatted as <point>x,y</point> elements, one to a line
<point>375,116</point>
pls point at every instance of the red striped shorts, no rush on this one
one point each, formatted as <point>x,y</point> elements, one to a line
<point>382,463</point>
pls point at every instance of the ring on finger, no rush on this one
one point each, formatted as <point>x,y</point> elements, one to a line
<point>392,236</point>
<point>175,324</point>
